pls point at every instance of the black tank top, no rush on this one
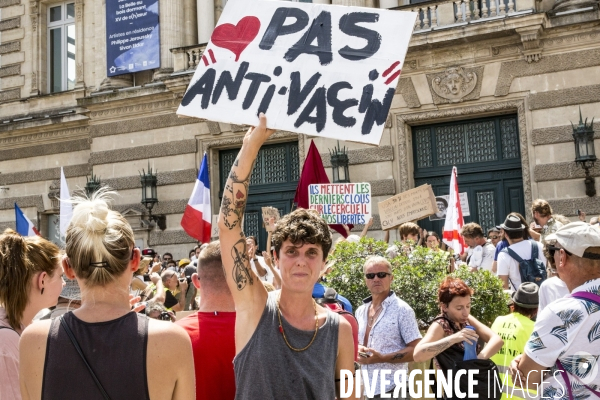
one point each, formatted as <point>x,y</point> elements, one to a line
<point>116,351</point>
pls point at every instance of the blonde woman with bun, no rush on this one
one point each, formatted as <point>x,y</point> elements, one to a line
<point>103,350</point>
<point>30,280</point>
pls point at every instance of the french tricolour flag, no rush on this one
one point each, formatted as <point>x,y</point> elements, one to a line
<point>24,225</point>
<point>196,219</point>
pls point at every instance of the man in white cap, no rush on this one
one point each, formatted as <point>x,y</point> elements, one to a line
<point>562,354</point>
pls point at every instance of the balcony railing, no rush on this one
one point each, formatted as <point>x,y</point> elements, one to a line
<point>436,14</point>
<point>187,58</point>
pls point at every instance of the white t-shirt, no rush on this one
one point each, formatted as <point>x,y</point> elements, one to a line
<point>509,266</point>
<point>482,256</point>
<point>551,289</point>
<point>568,330</point>
<point>269,276</point>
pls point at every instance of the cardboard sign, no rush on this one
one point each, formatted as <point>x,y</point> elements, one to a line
<point>214,228</point>
<point>316,69</point>
<point>407,206</point>
<point>442,205</point>
<point>341,203</point>
<point>268,213</point>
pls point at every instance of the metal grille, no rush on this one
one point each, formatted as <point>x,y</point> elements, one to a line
<point>424,154</point>
<point>451,147</point>
<point>251,225</point>
<point>486,207</point>
<point>510,138</point>
<point>481,141</point>
<point>294,163</point>
<point>227,160</point>
<point>257,172</point>
<point>274,160</point>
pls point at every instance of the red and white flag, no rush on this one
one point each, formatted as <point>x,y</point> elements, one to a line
<point>454,218</point>
<point>196,219</point>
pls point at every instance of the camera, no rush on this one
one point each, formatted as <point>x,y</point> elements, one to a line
<point>148,252</point>
<point>164,316</point>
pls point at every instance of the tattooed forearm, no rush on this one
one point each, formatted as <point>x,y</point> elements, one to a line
<point>437,348</point>
<point>241,265</point>
<point>235,197</point>
<point>399,356</point>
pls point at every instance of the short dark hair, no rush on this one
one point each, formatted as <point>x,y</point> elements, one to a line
<point>518,234</point>
<point>168,254</point>
<point>302,226</point>
<point>171,261</point>
<point>528,312</point>
<point>253,239</point>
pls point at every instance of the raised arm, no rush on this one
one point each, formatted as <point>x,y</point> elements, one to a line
<point>249,294</point>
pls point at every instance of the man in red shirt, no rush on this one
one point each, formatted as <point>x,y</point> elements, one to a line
<point>212,329</point>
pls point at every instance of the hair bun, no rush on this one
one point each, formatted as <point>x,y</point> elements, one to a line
<point>91,215</point>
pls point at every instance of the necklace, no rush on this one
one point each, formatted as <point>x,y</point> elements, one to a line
<point>283,333</point>
<point>374,317</point>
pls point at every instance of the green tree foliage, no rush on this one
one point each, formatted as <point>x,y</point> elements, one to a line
<point>417,278</point>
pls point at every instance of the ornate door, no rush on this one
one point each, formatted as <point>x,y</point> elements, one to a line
<point>273,183</point>
<point>486,154</point>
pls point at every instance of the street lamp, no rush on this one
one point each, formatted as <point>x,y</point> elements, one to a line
<point>339,164</point>
<point>92,185</point>
<point>585,154</point>
<point>150,197</point>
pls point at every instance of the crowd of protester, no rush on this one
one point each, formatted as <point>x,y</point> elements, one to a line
<point>103,319</point>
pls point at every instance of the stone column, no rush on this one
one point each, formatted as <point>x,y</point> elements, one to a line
<point>79,47</point>
<point>219,6</point>
<point>172,34</point>
<point>191,23</point>
<point>34,13</point>
<point>206,19</point>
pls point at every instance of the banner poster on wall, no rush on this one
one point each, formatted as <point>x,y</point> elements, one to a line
<point>132,36</point>
<point>321,70</point>
<point>341,203</point>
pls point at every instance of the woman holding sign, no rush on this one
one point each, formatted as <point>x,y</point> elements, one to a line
<point>283,339</point>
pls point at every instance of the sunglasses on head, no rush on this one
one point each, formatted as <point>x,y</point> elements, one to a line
<point>380,275</point>
<point>552,249</point>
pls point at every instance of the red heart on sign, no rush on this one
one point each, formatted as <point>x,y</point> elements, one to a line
<point>236,37</point>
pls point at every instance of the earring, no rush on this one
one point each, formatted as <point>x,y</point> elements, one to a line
<point>42,290</point>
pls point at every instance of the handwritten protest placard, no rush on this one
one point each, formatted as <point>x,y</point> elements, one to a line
<point>341,203</point>
<point>268,213</point>
<point>214,228</point>
<point>316,69</point>
<point>442,205</point>
<point>407,206</point>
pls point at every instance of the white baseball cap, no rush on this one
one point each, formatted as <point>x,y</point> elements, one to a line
<point>579,238</point>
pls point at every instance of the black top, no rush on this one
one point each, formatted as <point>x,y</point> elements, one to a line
<point>116,351</point>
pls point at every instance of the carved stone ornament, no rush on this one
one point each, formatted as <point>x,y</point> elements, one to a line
<point>454,84</point>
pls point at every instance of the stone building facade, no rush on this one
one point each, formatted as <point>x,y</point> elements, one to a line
<point>491,86</point>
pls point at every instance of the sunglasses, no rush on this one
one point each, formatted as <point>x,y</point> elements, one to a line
<point>552,249</point>
<point>380,275</point>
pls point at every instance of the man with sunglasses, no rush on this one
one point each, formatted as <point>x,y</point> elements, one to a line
<point>561,355</point>
<point>387,328</point>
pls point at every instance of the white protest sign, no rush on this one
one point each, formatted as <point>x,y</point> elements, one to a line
<point>341,203</point>
<point>316,69</point>
<point>442,204</point>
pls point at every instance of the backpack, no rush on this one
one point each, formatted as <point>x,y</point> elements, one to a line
<point>329,300</point>
<point>532,270</point>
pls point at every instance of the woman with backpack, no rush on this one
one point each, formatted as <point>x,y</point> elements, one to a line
<point>454,326</point>
<point>104,350</point>
<point>30,280</point>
